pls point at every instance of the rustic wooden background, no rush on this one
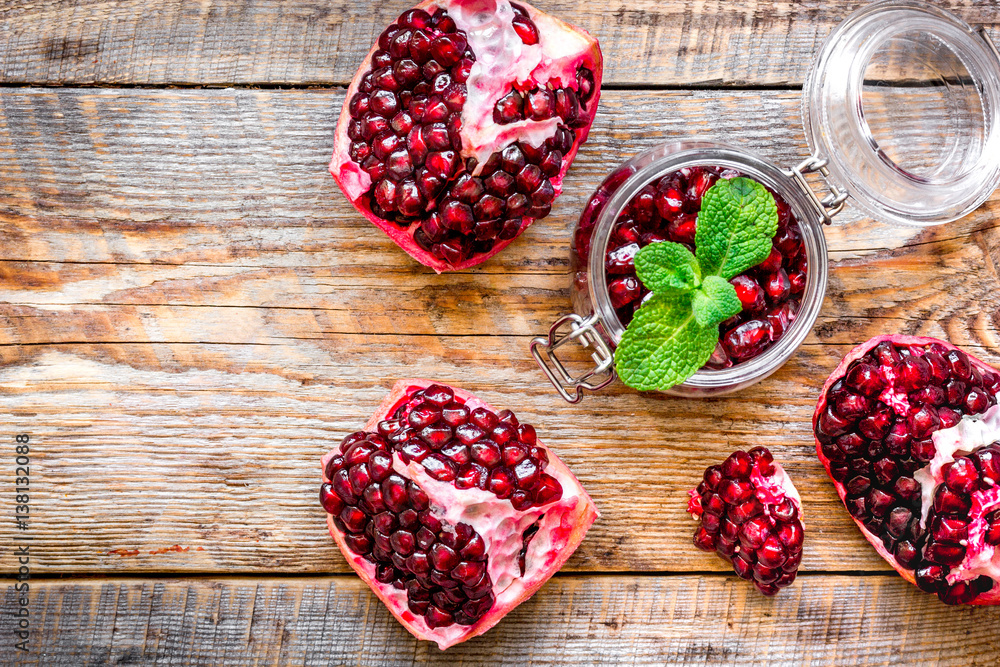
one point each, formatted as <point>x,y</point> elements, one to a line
<point>189,319</point>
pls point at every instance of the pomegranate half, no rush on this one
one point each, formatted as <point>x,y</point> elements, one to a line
<point>461,123</point>
<point>451,511</point>
<point>908,428</point>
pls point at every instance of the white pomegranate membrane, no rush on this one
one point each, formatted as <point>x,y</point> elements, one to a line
<point>973,434</point>
<point>750,514</point>
<point>909,430</point>
<point>452,512</point>
<point>459,127</point>
<point>667,210</point>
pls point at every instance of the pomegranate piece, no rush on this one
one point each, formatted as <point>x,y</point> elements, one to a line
<point>451,511</point>
<point>750,514</point>
<point>461,123</point>
<point>667,210</point>
<point>908,428</point>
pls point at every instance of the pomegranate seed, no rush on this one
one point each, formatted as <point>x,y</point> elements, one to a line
<point>501,483</point>
<point>948,502</point>
<point>912,373</point>
<point>961,475</point>
<point>949,529</point>
<point>961,367</point>
<point>780,318</point>
<point>992,536</point>
<point>622,260</point>
<point>777,287</point>
<point>922,421</point>
<point>738,466</point>
<point>525,29</point>
<point>771,554</point>
<point>879,501</point>
<point>751,294</point>
<point>624,291</point>
<point>852,406</point>
<point>865,379</point>
<point>976,401</point>
<point>539,105</point>
<point>330,501</point>
<point>772,264</point>
<point>682,229</point>
<point>747,340</point>
<point>944,553</point>
<point>832,425</point>
<point>668,201</point>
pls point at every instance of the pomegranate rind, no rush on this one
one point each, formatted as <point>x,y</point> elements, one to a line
<point>354,182</point>
<point>990,597</point>
<point>554,542</point>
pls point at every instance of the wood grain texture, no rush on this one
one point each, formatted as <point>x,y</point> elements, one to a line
<point>186,325</point>
<point>609,620</point>
<point>322,42</point>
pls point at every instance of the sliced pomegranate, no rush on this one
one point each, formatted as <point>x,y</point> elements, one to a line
<point>461,123</point>
<point>750,514</point>
<point>667,210</point>
<point>908,428</point>
<point>451,511</point>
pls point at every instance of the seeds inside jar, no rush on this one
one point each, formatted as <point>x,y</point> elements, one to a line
<point>667,210</point>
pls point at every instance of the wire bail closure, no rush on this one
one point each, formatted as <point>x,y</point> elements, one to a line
<point>583,330</point>
<point>830,205</point>
<point>989,41</point>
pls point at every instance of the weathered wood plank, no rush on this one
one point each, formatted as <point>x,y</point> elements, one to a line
<point>43,303</point>
<point>605,620</point>
<point>238,178</point>
<point>322,43</point>
<point>204,458</point>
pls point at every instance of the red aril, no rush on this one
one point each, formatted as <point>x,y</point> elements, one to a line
<point>451,511</point>
<point>908,429</point>
<point>750,514</point>
<point>461,123</point>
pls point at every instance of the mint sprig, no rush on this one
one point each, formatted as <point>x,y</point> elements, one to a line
<point>664,344</point>
<point>675,331</point>
<point>715,302</point>
<point>668,268</point>
<point>738,219</point>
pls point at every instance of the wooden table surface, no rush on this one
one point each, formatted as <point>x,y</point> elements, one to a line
<point>191,314</point>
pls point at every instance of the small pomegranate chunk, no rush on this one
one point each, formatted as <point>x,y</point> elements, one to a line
<point>667,210</point>
<point>908,428</point>
<point>461,123</point>
<point>750,514</point>
<point>451,511</point>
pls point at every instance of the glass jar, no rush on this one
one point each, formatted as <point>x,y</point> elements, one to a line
<point>902,115</point>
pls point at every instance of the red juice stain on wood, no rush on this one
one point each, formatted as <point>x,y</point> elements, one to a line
<point>124,552</point>
<point>177,548</point>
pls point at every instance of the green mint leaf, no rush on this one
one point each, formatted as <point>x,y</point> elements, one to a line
<point>715,301</point>
<point>667,268</point>
<point>663,344</point>
<point>738,219</point>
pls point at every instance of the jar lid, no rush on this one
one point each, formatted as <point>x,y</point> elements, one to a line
<point>903,103</point>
